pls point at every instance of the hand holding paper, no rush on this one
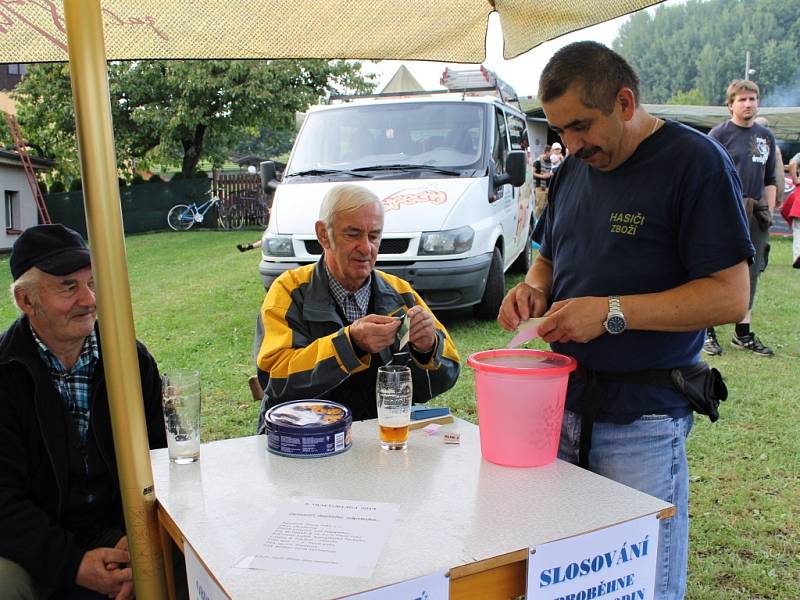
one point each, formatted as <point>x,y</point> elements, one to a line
<point>526,331</point>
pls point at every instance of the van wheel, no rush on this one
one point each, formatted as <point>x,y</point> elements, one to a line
<point>523,262</point>
<point>495,289</point>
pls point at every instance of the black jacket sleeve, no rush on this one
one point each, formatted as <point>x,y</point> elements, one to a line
<point>151,395</point>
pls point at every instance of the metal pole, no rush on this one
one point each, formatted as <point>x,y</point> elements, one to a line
<point>87,62</point>
<point>747,65</point>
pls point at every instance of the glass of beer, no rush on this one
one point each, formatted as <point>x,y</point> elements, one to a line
<point>393,394</point>
<point>181,403</point>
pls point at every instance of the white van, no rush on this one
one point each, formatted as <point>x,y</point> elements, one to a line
<point>454,178</point>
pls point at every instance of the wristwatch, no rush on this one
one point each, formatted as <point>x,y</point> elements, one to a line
<point>615,320</point>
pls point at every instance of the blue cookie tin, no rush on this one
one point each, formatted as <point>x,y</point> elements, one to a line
<point>309,428</point>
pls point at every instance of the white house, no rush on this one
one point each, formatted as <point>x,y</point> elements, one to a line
<point>19,205</point>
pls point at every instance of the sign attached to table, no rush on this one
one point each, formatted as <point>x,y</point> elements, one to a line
<point>314,535</point>
<point>617,562</point>
<point>202,586</point>
<point>429,587</point>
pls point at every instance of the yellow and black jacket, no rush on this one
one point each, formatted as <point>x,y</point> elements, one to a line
<point>307,351</point>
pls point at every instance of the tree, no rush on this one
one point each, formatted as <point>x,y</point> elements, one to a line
<point>179,112</point>
<point>702,46</point>
<point>692,97</point>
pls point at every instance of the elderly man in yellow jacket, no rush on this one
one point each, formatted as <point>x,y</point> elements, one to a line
<point>330,325</point>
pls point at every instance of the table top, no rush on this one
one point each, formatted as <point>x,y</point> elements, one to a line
<point>455,507</point>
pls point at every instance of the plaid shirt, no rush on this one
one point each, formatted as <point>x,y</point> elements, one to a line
<point>354,304</point>
<point>74,385</point>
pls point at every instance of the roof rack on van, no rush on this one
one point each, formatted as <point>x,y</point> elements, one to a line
<point>467,82</point>
<point>480,79</point>
<point>346,97</point>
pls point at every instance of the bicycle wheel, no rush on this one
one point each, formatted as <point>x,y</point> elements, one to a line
<point>180,217</point>
<point>222,218</point>
<point>236,220</point>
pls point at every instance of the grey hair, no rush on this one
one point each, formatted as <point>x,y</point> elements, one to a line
<point>29,282</point>
<point>345,197</point>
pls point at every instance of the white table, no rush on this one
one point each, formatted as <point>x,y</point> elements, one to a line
<point>457,511</point>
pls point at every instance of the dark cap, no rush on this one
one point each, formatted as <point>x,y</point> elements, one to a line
<point>54,249</point>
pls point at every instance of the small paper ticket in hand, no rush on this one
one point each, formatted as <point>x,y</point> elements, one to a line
<point>401,336</point>
<point>526,331</point>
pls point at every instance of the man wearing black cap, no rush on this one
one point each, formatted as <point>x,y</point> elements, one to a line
<point>61,525</point>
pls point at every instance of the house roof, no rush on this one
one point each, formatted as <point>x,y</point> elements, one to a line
<point>11,157</point>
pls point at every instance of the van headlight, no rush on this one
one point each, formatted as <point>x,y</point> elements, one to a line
<point>453,241</point>
<point>277,245</point>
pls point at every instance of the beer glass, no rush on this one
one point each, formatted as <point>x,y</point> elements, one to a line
<point>393,395</point>
<point>181,402</point>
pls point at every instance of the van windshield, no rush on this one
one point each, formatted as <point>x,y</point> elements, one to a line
<point>445,136</point>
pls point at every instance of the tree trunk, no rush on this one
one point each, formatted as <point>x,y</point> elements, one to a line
<point>192,151</point>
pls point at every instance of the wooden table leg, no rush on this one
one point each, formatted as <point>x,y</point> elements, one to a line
<point>170,538</point>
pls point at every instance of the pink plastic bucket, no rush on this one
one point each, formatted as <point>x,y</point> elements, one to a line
<point>520,404</point>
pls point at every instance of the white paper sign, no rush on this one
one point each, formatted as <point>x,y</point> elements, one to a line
<point>313,535</point>
<point>615,562</point>
<point>429,587</point>
<point>201,585</point>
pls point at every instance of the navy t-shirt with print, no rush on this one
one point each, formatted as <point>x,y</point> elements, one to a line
<point>669,214</point>
<point>753,152</point>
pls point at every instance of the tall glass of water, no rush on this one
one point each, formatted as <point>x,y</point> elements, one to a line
<point>181,403</point>
<point>393,393</point>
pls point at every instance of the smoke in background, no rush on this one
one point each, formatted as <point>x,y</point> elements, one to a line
<point>787,94</point>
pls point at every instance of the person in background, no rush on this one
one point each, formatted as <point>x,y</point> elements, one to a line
<point>635,263</point>
<point>752,148</point>
<point>330,325</point>
<point>541,175</point>
<point>793,169</point>
<point>556,156</point>
<point>62,532</point>
<point>780,170</point>
<point>791,210</point>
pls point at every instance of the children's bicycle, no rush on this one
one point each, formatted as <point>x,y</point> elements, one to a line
<point>182,217</point>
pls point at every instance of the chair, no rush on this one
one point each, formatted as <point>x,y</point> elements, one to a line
<point>255,388</point>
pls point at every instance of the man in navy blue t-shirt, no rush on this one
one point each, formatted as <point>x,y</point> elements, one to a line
<point>635,262</point>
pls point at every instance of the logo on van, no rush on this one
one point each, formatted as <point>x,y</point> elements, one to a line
<point>418,196</point>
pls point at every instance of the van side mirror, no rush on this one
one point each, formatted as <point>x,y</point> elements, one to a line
<point>515,170</point>
<point>268,180</point>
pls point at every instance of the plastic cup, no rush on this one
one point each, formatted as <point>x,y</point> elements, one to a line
<point>181,404</point>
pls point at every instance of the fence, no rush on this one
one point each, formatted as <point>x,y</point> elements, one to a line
<point>242,196</point>
<point>144,206</point>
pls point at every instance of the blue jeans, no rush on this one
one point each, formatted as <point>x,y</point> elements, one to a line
<point>648,455</point>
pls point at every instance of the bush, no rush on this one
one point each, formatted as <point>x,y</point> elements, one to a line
<point>121,182</point>
<point>137,179</point>
<point>57,187</point>
<point>42,187</point>
<point>200,175</point>
<point>177,176</point>
<point>155,178</point>
<point>75,185</point>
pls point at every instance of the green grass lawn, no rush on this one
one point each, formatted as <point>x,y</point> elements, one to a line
<point>195,300</point>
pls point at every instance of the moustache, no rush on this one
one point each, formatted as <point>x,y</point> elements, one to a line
<point>585,153</point>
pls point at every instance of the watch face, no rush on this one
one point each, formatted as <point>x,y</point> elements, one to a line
<point>615,324</point>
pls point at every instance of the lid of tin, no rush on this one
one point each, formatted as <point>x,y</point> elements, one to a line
<point>308,416</point>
